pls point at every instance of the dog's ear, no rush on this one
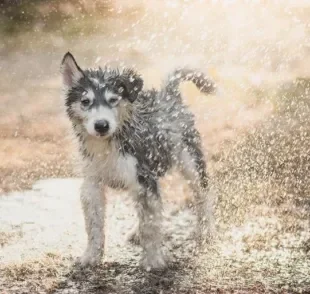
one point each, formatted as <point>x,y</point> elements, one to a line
<point>133,82</point>
<point>71,72</point>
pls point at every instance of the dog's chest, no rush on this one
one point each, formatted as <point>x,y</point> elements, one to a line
<point>115,169</point>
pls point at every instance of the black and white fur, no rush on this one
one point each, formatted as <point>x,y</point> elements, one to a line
<point>129,138</point>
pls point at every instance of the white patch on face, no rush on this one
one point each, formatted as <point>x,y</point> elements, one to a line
<point>90,95</point>
<point>101,113</point>
<point>111,95</point>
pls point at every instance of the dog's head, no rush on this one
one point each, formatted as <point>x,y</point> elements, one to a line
<point>98,99</point>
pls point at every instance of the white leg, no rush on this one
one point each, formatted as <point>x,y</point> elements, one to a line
<point>93,203</point>
<point>204,202</point>
<point>194,170</point>
<point>149,209</point>
<point>133,236</point>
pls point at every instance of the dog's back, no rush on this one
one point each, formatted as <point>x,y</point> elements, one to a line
<point>161,125</point>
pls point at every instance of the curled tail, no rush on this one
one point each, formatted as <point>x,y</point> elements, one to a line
<point>203,83</point>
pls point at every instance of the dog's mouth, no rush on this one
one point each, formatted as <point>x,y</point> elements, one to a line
<point>102,135</point>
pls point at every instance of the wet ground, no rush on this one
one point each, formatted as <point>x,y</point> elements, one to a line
<point>43,234</point>
<point>48,219</point>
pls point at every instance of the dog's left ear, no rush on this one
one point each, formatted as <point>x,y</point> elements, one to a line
<point>133,82</point>
<point>71,72</point>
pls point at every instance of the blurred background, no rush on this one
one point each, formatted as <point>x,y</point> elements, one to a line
<point>256,129</point>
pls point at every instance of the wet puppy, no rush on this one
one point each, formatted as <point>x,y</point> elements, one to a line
<point>129,138</point>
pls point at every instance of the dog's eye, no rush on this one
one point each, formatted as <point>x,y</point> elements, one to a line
<point>113,101</point>
<point>85,102</point>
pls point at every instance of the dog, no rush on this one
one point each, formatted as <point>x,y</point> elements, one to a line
<point>129,138</point>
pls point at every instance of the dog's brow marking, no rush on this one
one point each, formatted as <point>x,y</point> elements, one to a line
<point>90,94</point>
<point>109,95</point>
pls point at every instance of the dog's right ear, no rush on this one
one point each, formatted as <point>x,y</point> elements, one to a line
<point>71,72</point>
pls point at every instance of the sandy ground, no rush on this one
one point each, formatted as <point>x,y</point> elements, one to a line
<point>263,223</point>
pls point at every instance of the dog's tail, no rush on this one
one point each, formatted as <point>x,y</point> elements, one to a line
<point>201,81</point>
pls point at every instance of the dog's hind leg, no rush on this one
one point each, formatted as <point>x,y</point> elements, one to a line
<point>134,236</point>
<point>149,209</point>
<point>93,202</point>
<point>193,168</point>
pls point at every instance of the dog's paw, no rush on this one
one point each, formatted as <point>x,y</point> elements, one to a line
<point>90,258</point>
<point>157,261</point>
<point>204,238</point>
<point>207,236</point>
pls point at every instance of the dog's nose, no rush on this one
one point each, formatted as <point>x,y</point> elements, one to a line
<point>101,127</point>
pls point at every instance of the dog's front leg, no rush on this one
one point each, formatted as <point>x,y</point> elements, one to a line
<point>149,210</point>
<point>93,203</point>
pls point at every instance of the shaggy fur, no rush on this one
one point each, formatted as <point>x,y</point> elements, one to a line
<point>129,138</point>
